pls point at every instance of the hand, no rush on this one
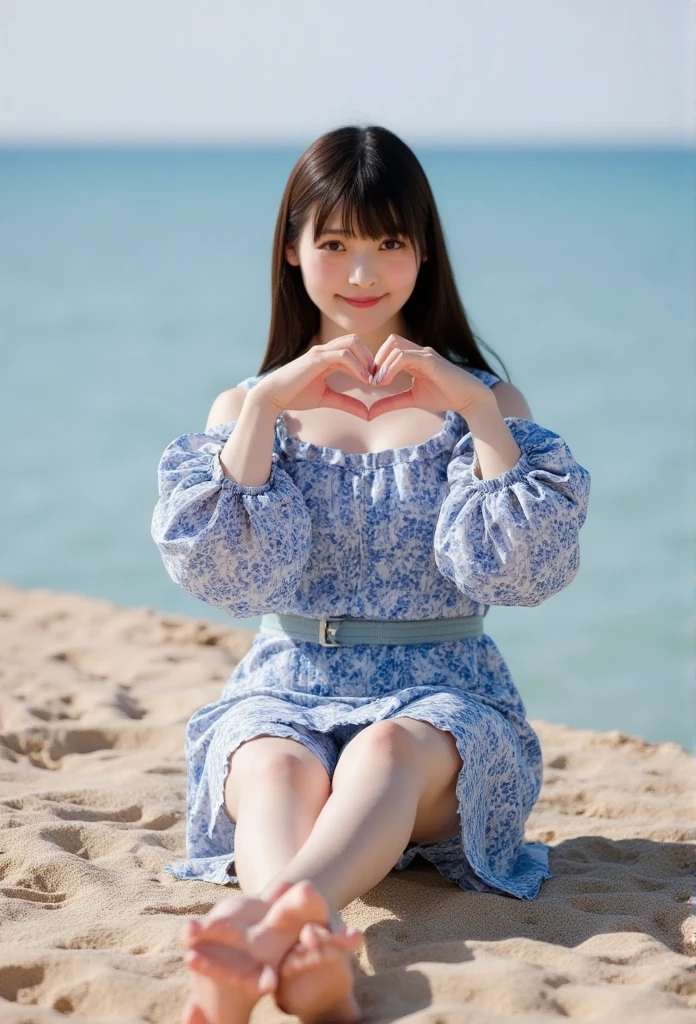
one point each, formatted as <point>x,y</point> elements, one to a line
<point>438,385</point>
<point>301,383</point>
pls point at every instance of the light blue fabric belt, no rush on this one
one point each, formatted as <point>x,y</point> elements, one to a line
<point>340,630</point>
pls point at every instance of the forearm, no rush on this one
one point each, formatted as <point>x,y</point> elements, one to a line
<point>247,454</point>
<point>495,447</point>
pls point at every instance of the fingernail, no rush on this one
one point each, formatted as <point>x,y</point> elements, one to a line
<point>380,375</point>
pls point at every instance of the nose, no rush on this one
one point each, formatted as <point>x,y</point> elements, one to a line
<point>362,273</point>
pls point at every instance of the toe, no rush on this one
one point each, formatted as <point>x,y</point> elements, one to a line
<point>189,932</point>
<point>312,935</point>
<point>214,963</point>
<point>193,1014</point>
<point>271,938</point>
<point>240,908</point>
<point>223,932</point>
<point>351,939</point>
<point>293,963</point>
<point>302,903</point>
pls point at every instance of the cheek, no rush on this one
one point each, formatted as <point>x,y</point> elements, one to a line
<point>320,271</point>
<point>401,273</point>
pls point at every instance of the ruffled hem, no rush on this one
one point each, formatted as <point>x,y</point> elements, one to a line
<point>530,871</point>
<point>543,453</point>
<point>203,869</point>
<point>462,859</point>
<point>453,427</point>
<point>218,477</point>
<point>294,448</point>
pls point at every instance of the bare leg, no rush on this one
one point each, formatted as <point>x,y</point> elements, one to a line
<point>358,836</point>
<point>360,833</point>
<point>273,795</point>
<point>365,825</point>
<point>275,806</point>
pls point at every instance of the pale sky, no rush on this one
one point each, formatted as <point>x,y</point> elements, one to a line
<point>284,71</point>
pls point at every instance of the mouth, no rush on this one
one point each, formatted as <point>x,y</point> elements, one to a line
<point>361,303</point>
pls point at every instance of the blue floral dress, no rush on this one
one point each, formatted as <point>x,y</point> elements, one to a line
<point>403,533</point>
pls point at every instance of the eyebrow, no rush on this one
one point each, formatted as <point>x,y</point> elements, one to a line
<point>344,234</point>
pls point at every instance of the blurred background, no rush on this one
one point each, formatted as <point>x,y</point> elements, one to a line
<point>144,148</point>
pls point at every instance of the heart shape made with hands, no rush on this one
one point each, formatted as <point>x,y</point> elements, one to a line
<point>388,403</point>
<point>436,383</point>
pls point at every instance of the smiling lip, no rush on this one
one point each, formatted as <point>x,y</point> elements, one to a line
<point>362,302</point>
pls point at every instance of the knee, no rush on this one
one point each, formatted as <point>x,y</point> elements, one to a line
<point>386,740</point>
<point>283,764</point>
<point>274,761</point>
<point>388,734</point>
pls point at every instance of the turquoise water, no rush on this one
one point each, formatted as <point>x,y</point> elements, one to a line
<point>134,287</point>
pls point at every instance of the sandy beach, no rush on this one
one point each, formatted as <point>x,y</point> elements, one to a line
<point>93,705</point>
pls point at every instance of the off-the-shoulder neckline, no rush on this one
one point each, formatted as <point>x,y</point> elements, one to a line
<point>451,429</point>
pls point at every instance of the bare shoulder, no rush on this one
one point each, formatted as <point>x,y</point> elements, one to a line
<point>511,401</point>
<point>226,407</point>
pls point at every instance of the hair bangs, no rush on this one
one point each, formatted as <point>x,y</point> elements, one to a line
<point>370,211</point>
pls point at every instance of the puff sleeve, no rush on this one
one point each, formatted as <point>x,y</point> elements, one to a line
<point>513,539</point>
<point>239,548</point>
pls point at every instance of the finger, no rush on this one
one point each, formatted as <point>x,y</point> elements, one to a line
<point>404,400</point>
<point>393,343</point>
<point>346,359</point>
<point>346,403</point>
<point>418,361</point>
<point>354,364</point>
<point>387,369</point>
<point>384,350</point>
<point>357,346</point>
<point>366,356</point>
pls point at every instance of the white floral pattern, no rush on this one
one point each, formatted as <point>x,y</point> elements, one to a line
<point>404,533</point>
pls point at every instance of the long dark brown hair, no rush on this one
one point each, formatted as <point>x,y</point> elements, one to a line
<point>382,190</point>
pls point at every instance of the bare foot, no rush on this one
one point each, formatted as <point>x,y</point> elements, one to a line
<point>193,1014</point>
<point>230,987</point>
<point>237,949</point>
<point>315,980</point>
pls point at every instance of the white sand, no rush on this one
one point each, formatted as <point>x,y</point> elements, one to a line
<point>93,704</point>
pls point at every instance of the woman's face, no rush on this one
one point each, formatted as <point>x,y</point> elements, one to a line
<point>336,267</point>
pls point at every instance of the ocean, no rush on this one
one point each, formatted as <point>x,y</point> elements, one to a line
<point>135,286</point>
